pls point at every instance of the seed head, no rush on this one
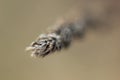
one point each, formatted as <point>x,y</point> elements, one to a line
<point>45,44</point>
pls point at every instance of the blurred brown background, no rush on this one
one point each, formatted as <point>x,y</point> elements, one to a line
<point>97,57</point>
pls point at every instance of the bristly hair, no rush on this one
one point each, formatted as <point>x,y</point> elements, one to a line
<point>59,38</point>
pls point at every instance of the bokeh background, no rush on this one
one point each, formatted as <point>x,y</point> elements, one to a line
<point>97,57</point>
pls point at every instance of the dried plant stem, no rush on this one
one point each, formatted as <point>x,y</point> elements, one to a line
<point>58,38</point>
<point>93,14</point>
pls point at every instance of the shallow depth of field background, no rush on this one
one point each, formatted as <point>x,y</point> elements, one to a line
<point>97,57</point>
